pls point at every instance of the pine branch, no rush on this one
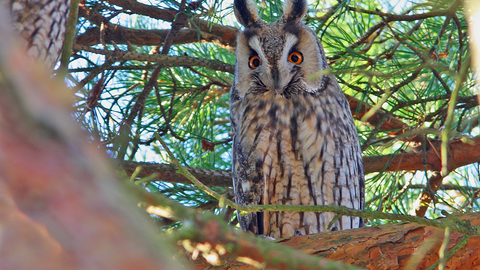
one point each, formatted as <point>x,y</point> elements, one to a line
<point>415,17</point>
<point>461,154</point>
<point>392,246</point>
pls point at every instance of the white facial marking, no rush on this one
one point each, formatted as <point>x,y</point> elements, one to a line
<point>290,41</point>
<point>255,45</point>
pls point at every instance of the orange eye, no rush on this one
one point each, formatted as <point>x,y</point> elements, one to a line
<point>296,58</point>
<point>254,62</point>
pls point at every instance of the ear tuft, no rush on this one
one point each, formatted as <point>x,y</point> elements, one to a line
<point>246,12</point>
<point>295,10</point>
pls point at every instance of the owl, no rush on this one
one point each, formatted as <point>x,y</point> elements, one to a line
<point>42,23</point>
<point>294,139</point>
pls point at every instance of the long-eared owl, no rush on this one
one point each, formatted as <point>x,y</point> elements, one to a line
<point>294,139</point>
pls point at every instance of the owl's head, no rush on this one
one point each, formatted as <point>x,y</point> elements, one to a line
<point>281,57</point>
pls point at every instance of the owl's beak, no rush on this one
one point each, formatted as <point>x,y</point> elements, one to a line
<point>275,78</point>
<point>278,81</point>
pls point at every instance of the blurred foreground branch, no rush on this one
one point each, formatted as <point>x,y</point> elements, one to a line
<point>61,205</point>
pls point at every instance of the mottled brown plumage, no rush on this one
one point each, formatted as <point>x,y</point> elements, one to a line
<point>294,138</point>
<point>42,24</point>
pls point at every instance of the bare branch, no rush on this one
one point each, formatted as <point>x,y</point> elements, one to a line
<point>142,37</point>
<point>226,33</point>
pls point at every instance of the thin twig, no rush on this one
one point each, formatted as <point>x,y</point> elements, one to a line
<point>443,249</point>
<point>195,181</point>
<point>461,77</point>
<point>452,252</point>
<point>97,70</point>
<point>69,37</point>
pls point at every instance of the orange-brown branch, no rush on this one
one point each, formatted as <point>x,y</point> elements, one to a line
<point>427,194</point>
<point>359,109</point>
<point>460,154</point>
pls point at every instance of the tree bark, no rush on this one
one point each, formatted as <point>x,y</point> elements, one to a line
<point>391,246</point>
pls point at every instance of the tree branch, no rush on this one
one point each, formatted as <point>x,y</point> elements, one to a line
<point>392,246</point>
<point>427,194</point>
<point>461,154</point>
<point>142,37</point>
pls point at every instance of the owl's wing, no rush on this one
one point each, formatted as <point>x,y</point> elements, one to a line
<point>247,174</point>
<point>248,187</point>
